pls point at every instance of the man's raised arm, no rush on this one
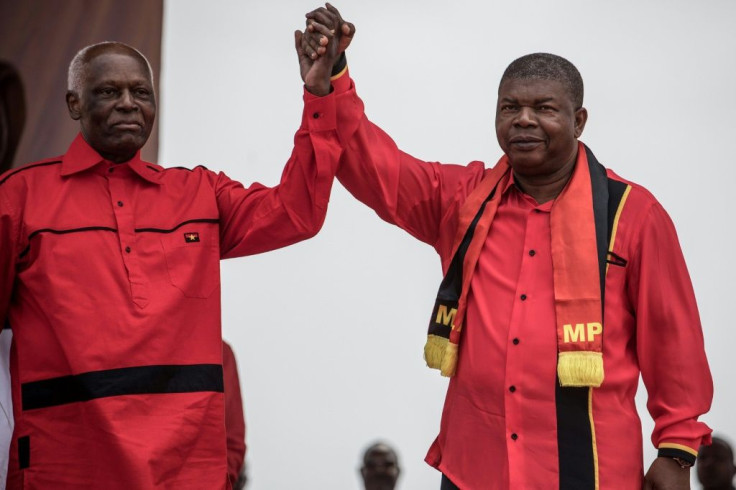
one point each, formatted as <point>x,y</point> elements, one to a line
<point>259,218</point>
<point>410,193</point>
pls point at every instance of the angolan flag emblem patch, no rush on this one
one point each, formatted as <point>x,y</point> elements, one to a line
<point>191,237</point>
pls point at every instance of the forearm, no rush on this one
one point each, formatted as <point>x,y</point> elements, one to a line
<point>402,190</point>
<point>670,344</point>
<point>9,234</point>
<point>260,218</point>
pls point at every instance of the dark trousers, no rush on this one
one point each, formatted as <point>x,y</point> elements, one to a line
<point>447,484</point>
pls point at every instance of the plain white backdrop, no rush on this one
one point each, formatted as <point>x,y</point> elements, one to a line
<point>329,333</point>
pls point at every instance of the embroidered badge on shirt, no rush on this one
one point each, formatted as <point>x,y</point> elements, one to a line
<point>191,237</point>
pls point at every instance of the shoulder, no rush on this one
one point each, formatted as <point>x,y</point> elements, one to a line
<point>178,170</point>
<point>183,174</point>
<point>642,217</point>
<point>41,168</point>
<point>638,198</point>
<point>17,184</point>
<point>461,180</point>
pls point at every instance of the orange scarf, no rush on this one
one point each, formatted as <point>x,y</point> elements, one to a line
<point>579,241</point>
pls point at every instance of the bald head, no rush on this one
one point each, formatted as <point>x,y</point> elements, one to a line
<point>715,465</point>
<point>78,65</point>
<point>380,469</point>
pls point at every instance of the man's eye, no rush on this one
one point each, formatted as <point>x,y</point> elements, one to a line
<point>546,108</point>
<point>106,91</point>
<point>141,92</point>
<point>509,107</point>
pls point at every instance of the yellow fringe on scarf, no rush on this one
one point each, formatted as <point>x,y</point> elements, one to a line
<point>580,368</point>
<point>441,354</point>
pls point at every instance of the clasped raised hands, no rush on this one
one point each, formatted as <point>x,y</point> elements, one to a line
<point>320,46</point>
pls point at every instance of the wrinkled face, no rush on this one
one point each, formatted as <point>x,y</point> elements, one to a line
<point>380,469</point>
<point>715,466</point>
<point>537,126</point>
<point>116,107</point>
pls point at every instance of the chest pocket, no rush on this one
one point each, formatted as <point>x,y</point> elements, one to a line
<point>193,260</point>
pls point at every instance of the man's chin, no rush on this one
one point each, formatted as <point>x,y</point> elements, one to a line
<point>525,162</point>
<point>123,150</point>
<point>380,483</point>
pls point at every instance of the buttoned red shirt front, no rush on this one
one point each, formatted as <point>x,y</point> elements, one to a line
<point>499,425</point>
<point>109,278</point>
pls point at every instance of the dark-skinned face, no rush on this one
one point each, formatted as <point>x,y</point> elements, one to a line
<point>537,126</point>
<point>380,469</point>
<point>715,466</point>
<point>117,106</point>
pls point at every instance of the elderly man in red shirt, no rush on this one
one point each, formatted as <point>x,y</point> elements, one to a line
<point>563,283</point>
<point>109,279</point>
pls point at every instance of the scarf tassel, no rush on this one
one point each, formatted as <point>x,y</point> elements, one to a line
<point>580,368</point>
<point>440,353</point>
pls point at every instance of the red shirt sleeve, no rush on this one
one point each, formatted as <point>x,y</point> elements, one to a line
<point>670,345</point>
<point>259,218</point>
<point>406,191</point>
<point>9,234</point>
<point>234,415</point>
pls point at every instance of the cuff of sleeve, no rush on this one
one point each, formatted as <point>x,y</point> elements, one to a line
<point>673,450</point>
<point>319,112</point>
<point>340,66</point>
<point>341,82</point>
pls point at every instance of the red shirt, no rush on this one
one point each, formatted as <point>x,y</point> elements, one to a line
<point>110,280</point>
<point>499,426</point>
<point>234,415</point>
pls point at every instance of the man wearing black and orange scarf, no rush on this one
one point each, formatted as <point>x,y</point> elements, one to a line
<point>563,282</point>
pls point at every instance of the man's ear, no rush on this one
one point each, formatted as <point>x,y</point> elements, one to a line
<point>73,105</point>
<point>581,117</point>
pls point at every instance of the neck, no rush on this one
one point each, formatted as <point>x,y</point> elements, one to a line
<point>544,188</point>
<point>117,158</point>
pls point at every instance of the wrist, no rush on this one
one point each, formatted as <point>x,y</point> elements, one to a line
<point>320,89</point>
<point>682,455</point>
<point>339,65</point>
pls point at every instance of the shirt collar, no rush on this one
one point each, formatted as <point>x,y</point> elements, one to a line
<point>523,196</point>
<point>511,183</point>
<point>80,157</point>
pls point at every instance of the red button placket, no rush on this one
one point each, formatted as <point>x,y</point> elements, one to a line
<point>120,188</point>
<point>516,359</point>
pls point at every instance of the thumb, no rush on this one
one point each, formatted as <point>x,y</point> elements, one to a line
<point>298,43</point>
<point>348,29</point>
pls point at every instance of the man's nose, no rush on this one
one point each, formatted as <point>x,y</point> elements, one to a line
<point>127,101</point>
<point>526,117</point>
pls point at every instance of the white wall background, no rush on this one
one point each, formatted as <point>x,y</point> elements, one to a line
<point>329,332</point>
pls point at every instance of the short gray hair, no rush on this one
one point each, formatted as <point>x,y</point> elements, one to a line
<point>79,62</point>
<point>546,66</point>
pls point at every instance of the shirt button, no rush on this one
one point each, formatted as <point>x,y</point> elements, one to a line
<point>523,297</point>
<point>120,204</point>
<point>515,341</point>
<point>532,253</point>
<point>127,249</point>
<point>315,115</point>
<point>512,388</point>
<point>111,169</point>
<point>514,436</point>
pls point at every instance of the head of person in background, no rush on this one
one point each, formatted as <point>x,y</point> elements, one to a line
<point>110,92</point>
<point>380,470</point>
<point>12,114</point>
<point>715,466</point>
